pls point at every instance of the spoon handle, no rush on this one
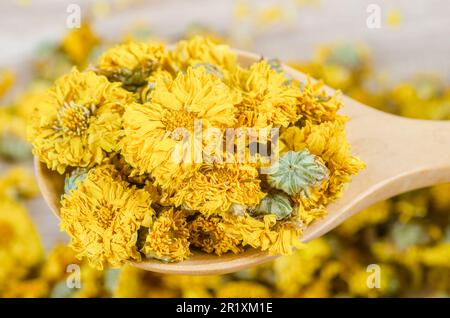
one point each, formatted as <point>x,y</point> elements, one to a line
<point>400,154</point>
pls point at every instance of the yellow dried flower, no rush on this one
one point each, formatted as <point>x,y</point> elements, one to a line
<point>20,246</point>
<point>154,142</point>
<point>54,268</point>
<point>6,81</point>
<point>13,144</point>
<point>201,50</point>
<point>131,63</point>
<point>315,105</point>
<point>18,183</point>
<point>210,235</point>
<point>79,43</point>
<point>264,233</point>
<point>357,279</point>
<point>156,77</point>
<point>168,237</point>
<point>79,121</point>
<point>192,281</point>
<point>103,216</point>
<point>268,99</point>
<point>214,188</point>
<point>136,135</point>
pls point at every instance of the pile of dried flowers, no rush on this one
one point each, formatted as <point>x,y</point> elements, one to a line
<point>125,134</point>
<point>408,236</point>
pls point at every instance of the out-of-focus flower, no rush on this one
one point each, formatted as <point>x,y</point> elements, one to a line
<point>201,50</point>
<point>393,17</point>
<point>160,134</point>
<point>79,43</point>
<point>360,284</point>
<point>20,246</point>
<point>6,81</point>
<point>265,233</point>
<point>213,189</point>
<point>209,235</point>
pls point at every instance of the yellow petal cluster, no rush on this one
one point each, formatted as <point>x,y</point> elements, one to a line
<point>168,237</point>
<point>209,235</point>
<point>201,50</point>
<point>79,121</point>
<point>103,216</point>
<point>267,97</point>
<point>131,63</point>
<point>213,189</point>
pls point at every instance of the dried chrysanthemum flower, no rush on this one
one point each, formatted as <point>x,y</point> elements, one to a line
<point>264,233</point>
<point>160,134</point>
<point>214,188</point>
<point>151,82</point>
<point>18,183</point>
<point>131,63</point>
<point>13,144</point>
<point>7,78</point>
<point>168,237</point>
<point>209,235</point>
<point>315,104</point>
<point>79,43</point>
<point>267,99</point>
<point>296,172</point>
<point>288,278</point>
<point>79,121</point>
<point>201,50</point>
<point>103,216</point>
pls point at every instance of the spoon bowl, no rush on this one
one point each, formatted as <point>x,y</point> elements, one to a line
<point>401,155</point>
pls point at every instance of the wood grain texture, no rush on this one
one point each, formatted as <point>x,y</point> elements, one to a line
<point>401,155</point>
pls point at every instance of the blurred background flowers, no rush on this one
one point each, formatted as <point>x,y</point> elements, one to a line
<point>401,67</point>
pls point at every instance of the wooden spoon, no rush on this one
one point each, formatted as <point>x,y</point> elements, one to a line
<point>401,155</point>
